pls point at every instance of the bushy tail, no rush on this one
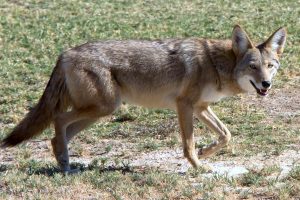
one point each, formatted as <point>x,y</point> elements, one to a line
<point>54,99</point>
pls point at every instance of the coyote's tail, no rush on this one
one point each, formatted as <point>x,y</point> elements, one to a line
<point>54,99</point>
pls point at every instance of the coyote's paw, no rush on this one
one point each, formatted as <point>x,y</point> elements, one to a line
<point>204,153</point>
<point>205,169</point>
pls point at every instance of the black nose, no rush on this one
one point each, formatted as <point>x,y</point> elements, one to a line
<point>266,84</point>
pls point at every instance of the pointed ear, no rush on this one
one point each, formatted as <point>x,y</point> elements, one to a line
<point>240,41</point>
<point>276,41</point>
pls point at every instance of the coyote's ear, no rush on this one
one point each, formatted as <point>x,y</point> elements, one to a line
<point>276,41</point>
<point>240,41</point>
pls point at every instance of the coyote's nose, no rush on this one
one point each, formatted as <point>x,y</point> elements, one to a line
<point>266,84</point>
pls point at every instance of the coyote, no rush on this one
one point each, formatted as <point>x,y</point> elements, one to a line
<point>92,80</point>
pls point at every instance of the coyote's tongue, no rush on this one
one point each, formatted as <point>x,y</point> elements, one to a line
<point>262,92</point>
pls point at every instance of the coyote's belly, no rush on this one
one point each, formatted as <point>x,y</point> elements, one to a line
<point>151,99</point>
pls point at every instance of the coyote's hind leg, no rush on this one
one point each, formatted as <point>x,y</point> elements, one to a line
<point>60,141</point>
<point>78,126</point>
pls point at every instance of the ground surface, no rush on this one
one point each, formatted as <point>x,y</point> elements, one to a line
<point>136,153</point>
<point>255,174</point>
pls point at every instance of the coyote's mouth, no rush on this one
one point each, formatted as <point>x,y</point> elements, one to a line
<point>262,92</point>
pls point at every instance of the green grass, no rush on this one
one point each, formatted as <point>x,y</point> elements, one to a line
<point>34,32</point>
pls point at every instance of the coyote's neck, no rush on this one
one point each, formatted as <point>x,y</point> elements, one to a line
<point>224,60</point>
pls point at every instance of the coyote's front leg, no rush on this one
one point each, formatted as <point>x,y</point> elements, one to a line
<point>206,115</point>
<point>185,117</point>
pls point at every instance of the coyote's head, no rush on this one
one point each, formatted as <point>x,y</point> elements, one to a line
<point>257,65</point>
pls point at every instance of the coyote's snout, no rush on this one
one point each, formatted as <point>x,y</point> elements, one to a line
<point>90,81</point>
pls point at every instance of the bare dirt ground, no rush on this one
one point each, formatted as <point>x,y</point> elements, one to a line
<point>283,103</point>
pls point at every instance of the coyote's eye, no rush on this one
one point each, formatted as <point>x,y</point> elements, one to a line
<point>252,66</point>
<point>270,65</point>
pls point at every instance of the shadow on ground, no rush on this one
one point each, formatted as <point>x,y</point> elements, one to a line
<point>51,170</point>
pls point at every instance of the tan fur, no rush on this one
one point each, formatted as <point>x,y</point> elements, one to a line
<point>181,74</point>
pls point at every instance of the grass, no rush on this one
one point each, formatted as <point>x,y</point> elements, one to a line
<point>34,32</point>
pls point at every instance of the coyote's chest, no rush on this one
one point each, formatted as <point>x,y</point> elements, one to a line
<point>213,94</point>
